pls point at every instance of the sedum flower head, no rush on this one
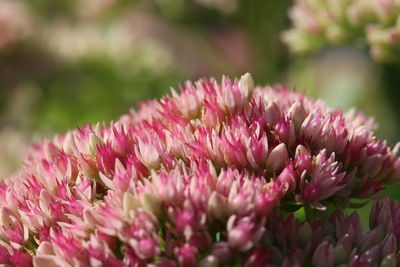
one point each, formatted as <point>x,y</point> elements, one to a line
<point>331,22</point>
<point>335,240</point>
<point>203,177</point>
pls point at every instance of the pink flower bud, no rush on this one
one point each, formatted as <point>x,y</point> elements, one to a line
<point>287,178</point>
<point>148,154</point>
<point>302,159</point>
<point>21,259</point>
<point>189,102</point>
<point>148,247</point>
<point>277,158</point>
<point>246,84</point>
<point>185,219</point>
<point>258,258</point>
<point>242,233</point>
<point>186,255</point>
<point>212,115</point>
<point>234,96</point>
<point>121,142</point>
<point>285,130</point>
<point>323,255</point>
<point>297,113</point>
<point>106,158</point>
<point>222,252</point>
<point>272,113</point>
<point>371,239</point>
<point>388,246</point>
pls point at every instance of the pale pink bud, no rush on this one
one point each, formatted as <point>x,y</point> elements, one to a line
<point>148,154</point>
<point>246,84</point>
<point>189,102</point>
<point>45,248</point>
<point>241,236</point>
<point>272,113</point>
<point>257,151</point>
<point>298,114</point>
<point>277,158</point>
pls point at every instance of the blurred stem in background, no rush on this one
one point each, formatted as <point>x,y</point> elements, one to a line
<point>391,77</point>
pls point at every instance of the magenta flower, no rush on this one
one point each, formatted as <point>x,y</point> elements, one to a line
<point>204,178</point>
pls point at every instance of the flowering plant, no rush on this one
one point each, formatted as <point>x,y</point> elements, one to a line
<point>320,22</point>
<point>217,175</point>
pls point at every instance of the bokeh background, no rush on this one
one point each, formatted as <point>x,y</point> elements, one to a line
<point>67,63</point>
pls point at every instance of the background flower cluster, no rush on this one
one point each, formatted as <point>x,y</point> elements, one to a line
<point>375,22</point>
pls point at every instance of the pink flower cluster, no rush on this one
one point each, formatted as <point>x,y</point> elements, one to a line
<point>205,177</point>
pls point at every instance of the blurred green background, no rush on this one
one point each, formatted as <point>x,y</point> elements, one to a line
<point>67,63</point>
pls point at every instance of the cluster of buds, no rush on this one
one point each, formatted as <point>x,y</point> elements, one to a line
<point>334,240</point>
<point>202,178</point>
<point>332,22</point>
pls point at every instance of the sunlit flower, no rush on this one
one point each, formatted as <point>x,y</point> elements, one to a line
<point>202,178</point>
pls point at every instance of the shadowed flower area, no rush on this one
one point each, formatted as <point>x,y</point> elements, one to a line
<point>215,175</point>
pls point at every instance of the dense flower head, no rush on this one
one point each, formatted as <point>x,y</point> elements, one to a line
<point>335,240</point>
<point>204,177</point>
<point>332,22</point>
